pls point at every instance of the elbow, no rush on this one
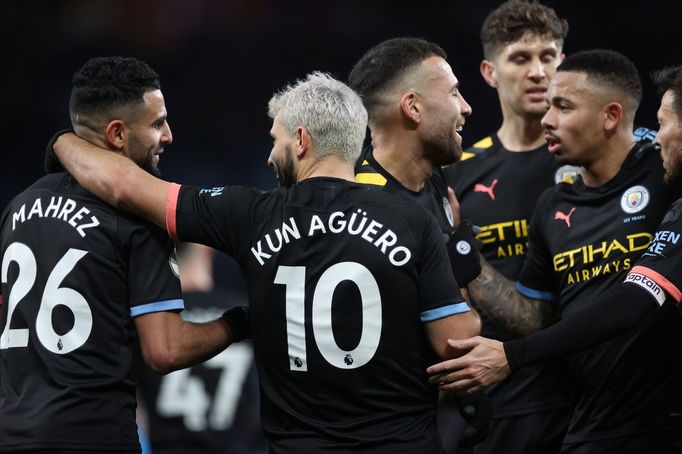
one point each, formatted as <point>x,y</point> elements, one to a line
<point>119,192</point>
<point>163,360</point>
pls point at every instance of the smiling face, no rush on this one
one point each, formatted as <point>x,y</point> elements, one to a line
<point>445,111</point>
<point>521,72</point>
<point>573,123</point>
<point>669,137</point>
<point>148,132</point>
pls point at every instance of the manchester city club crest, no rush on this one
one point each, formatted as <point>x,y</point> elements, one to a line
<point>634,199</point>
<point>566,174</point>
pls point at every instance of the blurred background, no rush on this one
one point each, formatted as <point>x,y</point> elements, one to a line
<point>221,60</point>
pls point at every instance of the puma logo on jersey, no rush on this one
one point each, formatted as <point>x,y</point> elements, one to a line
<point>480,187</point>
<point>564,217</point>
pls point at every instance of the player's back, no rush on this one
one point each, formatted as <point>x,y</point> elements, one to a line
<point>340,277</point>
<point>65,351</point>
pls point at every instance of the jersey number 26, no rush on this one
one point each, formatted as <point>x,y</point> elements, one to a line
<point>53,296</point>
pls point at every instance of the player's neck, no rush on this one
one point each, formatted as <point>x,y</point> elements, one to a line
<point>402,156</point>
<point>331,166</point>
<point>519,134</point>
<point>609,161</point>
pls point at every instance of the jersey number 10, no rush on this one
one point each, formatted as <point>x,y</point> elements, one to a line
<point>294,279</point>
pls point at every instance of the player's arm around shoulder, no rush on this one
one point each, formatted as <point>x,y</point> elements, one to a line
<point>113,178</point>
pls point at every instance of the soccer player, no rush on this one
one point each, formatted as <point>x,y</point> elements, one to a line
<point>78,276</point>
<point>584,239</point>
<point>416,112</point>
<point>648,286</point>
<point>497,184</point>
<point>211,407</point>
<point>350,289</point>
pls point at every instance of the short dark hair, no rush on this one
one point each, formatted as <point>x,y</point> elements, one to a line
<point>514,18</point>
<point>384,64</point>
<point>670,78</point>
<point>104,83</point>
<point>608,68</point>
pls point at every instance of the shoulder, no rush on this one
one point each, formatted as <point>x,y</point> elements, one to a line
<point>367,173</point>
<point>479,148</point>
<point>644,134</point>
<point>674,212</point>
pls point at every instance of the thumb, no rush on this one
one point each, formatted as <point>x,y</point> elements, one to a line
<point>463,344</point>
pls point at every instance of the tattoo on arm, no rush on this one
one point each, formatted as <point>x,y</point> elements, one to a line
<point>498,298</point>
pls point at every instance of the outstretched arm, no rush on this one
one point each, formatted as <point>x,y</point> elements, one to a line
<point>490,361</point>
<point>113,178</point>
<point>498,298</point>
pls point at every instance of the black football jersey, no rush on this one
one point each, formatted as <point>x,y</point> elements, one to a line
<point>433,197</point>
<point>497,190</point>
<point>341,278</point>
<point>583,241</point>
<point>75,271</point>
<point>212,407</point>
<point>658,270</point>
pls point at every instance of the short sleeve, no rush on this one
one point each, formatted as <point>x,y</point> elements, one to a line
<point>439,293</point>
<point>153,280</point>
<point>659,269</point>
<point>536,280</point>
<point>218,217</point>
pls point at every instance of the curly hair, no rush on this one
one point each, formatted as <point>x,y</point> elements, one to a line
<point>104,83</point>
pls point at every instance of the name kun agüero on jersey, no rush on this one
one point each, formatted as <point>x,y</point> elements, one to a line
<point>357,225</point>
<point>57,208</point>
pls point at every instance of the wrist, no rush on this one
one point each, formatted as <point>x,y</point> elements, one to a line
<point>238,321</point>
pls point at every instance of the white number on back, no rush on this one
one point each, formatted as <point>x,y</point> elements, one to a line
<point>53,296</point>
<point>294,279</point>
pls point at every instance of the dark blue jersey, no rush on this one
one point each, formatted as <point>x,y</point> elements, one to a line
<point>341,278</point>
<point>75,272</point>
<point>583,241</point>
<point>497,190</point>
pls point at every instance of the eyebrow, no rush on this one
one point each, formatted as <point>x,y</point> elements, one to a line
<point>160,119</point>
<point>524,52</point>
<point>560,99</point>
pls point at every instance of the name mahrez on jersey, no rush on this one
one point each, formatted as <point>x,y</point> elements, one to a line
<point>358,225</point>
<point>57,207</point>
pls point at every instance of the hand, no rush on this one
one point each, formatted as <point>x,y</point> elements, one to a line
<point>485,364</point>
<point>239,320</point>
<point>463,252</point>
<point>52,163</point>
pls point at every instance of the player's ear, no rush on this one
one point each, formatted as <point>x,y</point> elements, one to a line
<point>613,114</point>
<point>303,141</point>
<point>115,134</point>
<point>487,69</point>
<point>411,107</point>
